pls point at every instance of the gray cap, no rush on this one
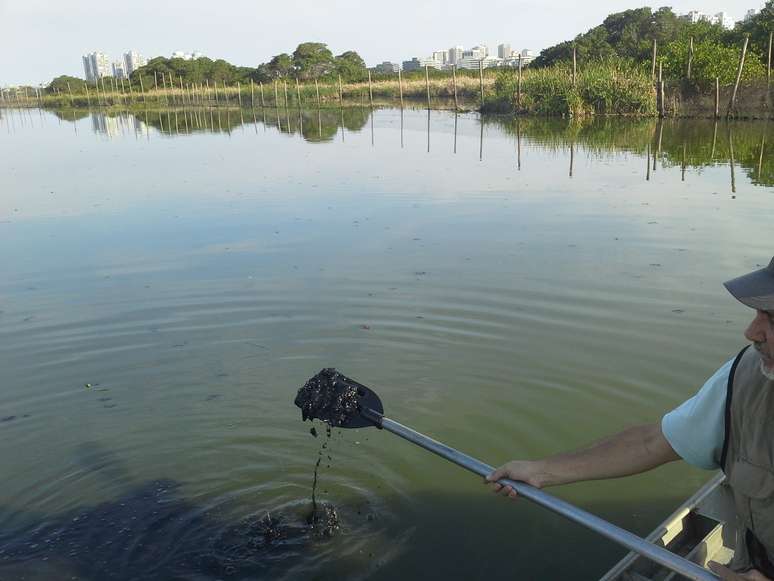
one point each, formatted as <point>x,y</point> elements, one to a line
<point>756,289</point>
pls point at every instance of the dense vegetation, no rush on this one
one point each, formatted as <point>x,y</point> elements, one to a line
<point>310,60</point>
<point>609,86</point>
<point>629,35</point>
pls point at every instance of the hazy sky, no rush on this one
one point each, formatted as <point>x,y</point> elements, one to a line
<point>40,39</point>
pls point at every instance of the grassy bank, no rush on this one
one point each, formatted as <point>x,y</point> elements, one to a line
<point>613,87</point>
<point>607,88</point>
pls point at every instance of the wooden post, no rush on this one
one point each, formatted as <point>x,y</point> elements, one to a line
<point>661,96</point>
<point>653,61</point>
<point>317,90</point>
<point>341,92</point>
<point>239,93</point>
<point>252,94</point>
<point>574,65</point>
<point>298,94</point>
<point>285,85</point>
<point>731,159</point>
<point>182,93</point>
<point>427,84</point>
<point>760,157</point>
<point>717,97</point>
<point>156,80</point>
<point>142,89</point>
<point>518,86</point>
<point>400,87</point>
<point>690,59</point>
<point>370,89</point>
<point>768,62</point>
<point>454,84</point>
<point>481,78</point>
<point>88,97</point>
<point>69,90</point>
<point>732,101</point>
<point>276,95</point>
<point>260,88</point>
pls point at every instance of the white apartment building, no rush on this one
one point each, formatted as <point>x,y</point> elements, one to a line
<point>504,51</point>
<point>118,70</point>
<point>187,56</point>
<point>133,60</point>
<point>96,65</point>
<point>722,18</point>
<point>488,62</point>
<point>455,54</point>
<point>441,56</point>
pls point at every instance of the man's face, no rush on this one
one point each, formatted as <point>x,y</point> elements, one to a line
<point>761,334</point>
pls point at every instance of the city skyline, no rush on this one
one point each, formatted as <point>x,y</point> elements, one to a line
<point>63,33</point>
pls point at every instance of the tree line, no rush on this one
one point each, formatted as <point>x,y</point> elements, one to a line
<point>310,60</point>
<point>629,35</point>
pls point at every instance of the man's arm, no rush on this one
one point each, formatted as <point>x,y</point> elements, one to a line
<point>632,451</point>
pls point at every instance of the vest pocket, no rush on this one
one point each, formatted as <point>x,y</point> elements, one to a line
<point>751,480</point>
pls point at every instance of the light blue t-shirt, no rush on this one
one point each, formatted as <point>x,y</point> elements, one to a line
<point>696,428</point>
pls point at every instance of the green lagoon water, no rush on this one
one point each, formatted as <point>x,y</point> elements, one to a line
<point>511,288</point>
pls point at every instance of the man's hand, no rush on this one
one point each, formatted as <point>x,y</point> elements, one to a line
<point>523,471</point>
<point>727,574</point>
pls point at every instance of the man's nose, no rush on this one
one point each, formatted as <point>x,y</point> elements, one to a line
<point>756,332</point>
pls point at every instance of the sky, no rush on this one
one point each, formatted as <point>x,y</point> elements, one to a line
<point>41,39</point>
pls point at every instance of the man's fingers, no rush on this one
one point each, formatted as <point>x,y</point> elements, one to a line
<point>496,475</point>
<point>727,574</point>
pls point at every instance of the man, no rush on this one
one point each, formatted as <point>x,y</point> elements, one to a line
<point>728,424</point>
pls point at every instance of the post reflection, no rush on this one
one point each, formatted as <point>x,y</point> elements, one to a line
<point>744,147</point>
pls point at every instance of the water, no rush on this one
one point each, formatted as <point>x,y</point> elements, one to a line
<point>511,288</point>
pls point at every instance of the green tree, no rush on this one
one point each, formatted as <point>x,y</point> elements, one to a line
<point>351,66</point>
<point>281,66</point>
<point>312,60</point>
<point>758,27</point>
<point>711,59</point>
<point>60,85</point>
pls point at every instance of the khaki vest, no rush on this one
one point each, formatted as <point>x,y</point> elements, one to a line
<point>748,461</point>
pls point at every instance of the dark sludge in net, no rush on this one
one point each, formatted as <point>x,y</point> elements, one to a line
<point>328,396</point>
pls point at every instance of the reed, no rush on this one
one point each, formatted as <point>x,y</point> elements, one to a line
<point>607,87</point>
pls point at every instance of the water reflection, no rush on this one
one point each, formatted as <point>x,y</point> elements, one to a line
<point>668,143</point>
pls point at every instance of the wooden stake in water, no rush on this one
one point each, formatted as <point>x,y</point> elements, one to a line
<point>481,79</point>
<point>427,84</point>
<point>239,92</point>
<point>454,85</point>
<point>298,93</point>
<point>285,86</point>
<point>252,95</point>
<point>341,93</point>
<point>574,65</point>
<point>653,60</point>
<point>317,90</point>
<point>690,59</point>
<point>370,89</point>
<point>768,62</point>
<point>69,90</point>
<point>400,88</point>
<point>732,102</point>
<point>276,95</point>
<point>155,81</point>
<point>88,98</point>
<point>518,87</point>
<point>263,103</point>
<point>717,97</point>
